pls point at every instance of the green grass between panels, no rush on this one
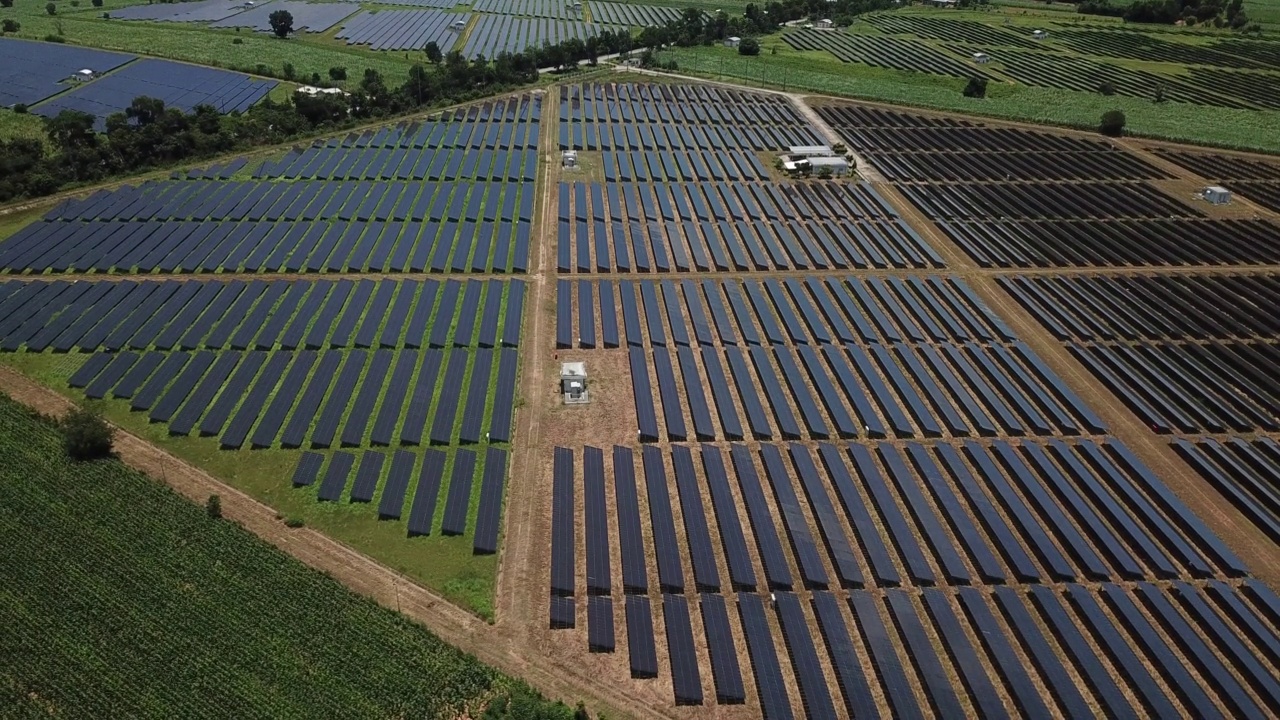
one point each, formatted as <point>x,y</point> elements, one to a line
<point>122,599</point>
<point>822,73</point>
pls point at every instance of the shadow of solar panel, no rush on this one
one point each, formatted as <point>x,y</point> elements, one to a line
<point>427,492</point>
<point>489,513</point>
<point>562,523</point>
<point>459,496</point>
<point>397,483</point>
<point>563,613</point>
<point>600,624</point>
<point>643,656</point>
<point>308,469</point>
<point>367,476</point>
<point>335,479</point>
<point>724,656</point>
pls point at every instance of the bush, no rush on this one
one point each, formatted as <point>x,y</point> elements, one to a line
<point>20,108</point>
<point>96,3</point>
<point>10,26</point>
<point>1112,123</point>
<point>337,73</point>
<point>237,41</point>
<point>213,507</point>
<point>85,435</point>
<point>977,88</point>
<point>1106,87</point>
<point>749,46</point>
<point>294,522</point>
<point>824,173</point>
<point>51,9</point>
<point>54,38</point>
<point>6,3</point>
<point>75,3</point>
<point>288,71</point>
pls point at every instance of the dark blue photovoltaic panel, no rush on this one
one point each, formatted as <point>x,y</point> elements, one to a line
<point>842,555</point>
<point>489,513</point>
<point>1042,655</point>
<point>150,392</point>
<point>668,390</point>
<point>933,533</point>
<point>308,469</point>
<point>367,476</point>
<point>741,572</point>
<point>337,399</point>
<point>804,657</point>
<point>203,394</point>
<point>1008,666</point>
<point>459,496</point>
<point>1253,667</point>
<point>397,483</point>
<point>963,655</point>
<point>35,71</point>
<point>182,386</point>
<point>899,528</point>
<point>759,514</point>
<point>802,543</point>
<point>666,548</point>
<point>646,416</point>
<point>884,656</point>
<point>423,509</point>
<point>289,391</point>
<point>704,428</point>
<point>563,612</point>
<point>853,685</point>
<point>504,398</point>
<point>640,646</point>
<point>772,691</point>
<point>701,553</point>
<point>1094,674</point>
<point>112,374</point>
<point>685,678</point>
<point>367,398</point>
<point>398,391</point>
<point>415,416</point>
<point>600,624</point>
<point>635,578</point>
<point>90,369</point>
<point>477,397</point>
<point>562,523</point>
<point>138,374</point>
<point>599,580</point>
<point>450,392</point>
<point>335,479</point>
<point>745,384</point>
<point>724,656</point>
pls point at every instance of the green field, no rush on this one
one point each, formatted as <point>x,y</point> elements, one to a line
<point>122,599</point>
<point>820,72</point>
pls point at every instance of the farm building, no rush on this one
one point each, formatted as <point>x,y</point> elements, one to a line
<point>732,42</point>
<point>981,58</point>
<point>1216,194</point>
<point>84,75</point>
<point>1039,34</point>
<point>810,150</point>
<point>838,165</point>
<point>825,24</point>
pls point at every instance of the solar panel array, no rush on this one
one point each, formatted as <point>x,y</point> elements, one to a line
<point>495,34</point>
<point>179,85</point>
<point>31,71</point>
<point>197,11</point>
<point>940,525</point>
<point>307,17</point>
<point>616,13</point>
<point>403,29</point>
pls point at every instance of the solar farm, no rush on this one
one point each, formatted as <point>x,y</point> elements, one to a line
<point>986,429</point>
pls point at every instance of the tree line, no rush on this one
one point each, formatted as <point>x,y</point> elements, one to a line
<point>1168,12</point>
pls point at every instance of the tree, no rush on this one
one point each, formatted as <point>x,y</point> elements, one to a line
<point>6,3</point>
<point>287,70</point>
<point>1106,87</point>
<point>11,26</point>
<point>1159,97</point>
<point>281,23</point>
<point>51,9</point>
<point>337,73</point>
<point>977,88</point>
<point>749,46</point>
<point>213,507</point>
<point>96,3</point>
<point>85,435</point>
<point>580,712</point>
<point>145,111</point>
<point>1112,123</point>
<point>824,172</point>
<point>434,56</point>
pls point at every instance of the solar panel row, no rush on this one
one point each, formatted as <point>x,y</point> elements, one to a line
<point>430,164</point>
<point>182,388</point>
<point>189,315</point>
<point>472,126</point>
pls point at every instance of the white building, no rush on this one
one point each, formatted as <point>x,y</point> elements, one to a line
<point>825,24</point>
<point>732,42</point>
<point>981,58</point>
<point>810,151</point>
<point>839,166</point>
<point>1216,194</point>
<point>1039,34</point>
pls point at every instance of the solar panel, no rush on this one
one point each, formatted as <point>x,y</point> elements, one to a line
<point>308,469</point>
<point>563,613</point>
<point>415,417</point>
<point>599,578</point>
<point>600,624</point>
<point>489,513</point>
<point>477,396</point>
<point>367,476</point>
<point>772,691</point>
<point>562,523</point>
<point>741,571</point>
<point>884,656</point>
<point>397,483</point>
<point>458,499</point>
<point>646,417</point>
<point>672,412</point>
<point>701,553</point>
<point>643,656</point>
<point>335,479</point>
<point>203,394</point>
<point>182,386</point>
<point>685,678</point>
<point>255,397</point>
<point>802,543</point>
<point>634,575</point>
<point>666,549</point>
<point>426,493</point>
<point>137,374</point>
<point>842,555</point>
<point>858,700</point>
<point>110,375</point>
<point>447,404</point>
<point>1086,660</point>
<point>150,392</point>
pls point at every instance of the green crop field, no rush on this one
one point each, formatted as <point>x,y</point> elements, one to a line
<point>781,66</point>
<point>122,599</point>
